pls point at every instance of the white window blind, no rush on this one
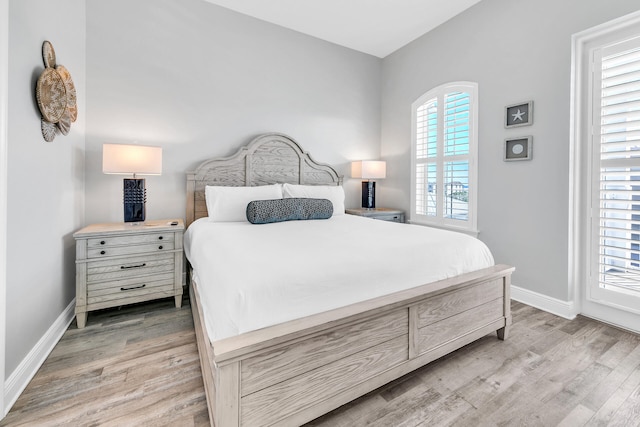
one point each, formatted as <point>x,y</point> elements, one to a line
<point>426,155</point>
<point>444,156</point>
<point>617,157</point>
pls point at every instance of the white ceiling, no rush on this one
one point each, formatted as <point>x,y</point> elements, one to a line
<point>376,27</point>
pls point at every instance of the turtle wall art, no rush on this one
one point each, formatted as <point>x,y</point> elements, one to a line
<point>56,96</point>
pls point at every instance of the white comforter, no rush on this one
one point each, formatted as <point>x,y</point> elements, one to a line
<point>252,276</point>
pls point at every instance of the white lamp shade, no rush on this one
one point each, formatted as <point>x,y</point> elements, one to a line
<point>131,159</point>
<point>369,169</point>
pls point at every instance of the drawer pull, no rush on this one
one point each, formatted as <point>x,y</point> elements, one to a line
<point>160,247</point>
<point>160,238</point>
<point>133,287</point>
<point>122,267</point>
<point>102,252</point>
<point>102,242</point>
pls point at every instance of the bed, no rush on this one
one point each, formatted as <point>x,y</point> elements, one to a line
<point>297,365</point>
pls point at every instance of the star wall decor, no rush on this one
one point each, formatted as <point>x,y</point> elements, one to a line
<point>518,114</point>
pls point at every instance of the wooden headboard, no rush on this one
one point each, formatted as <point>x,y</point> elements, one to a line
<point>268,159</point>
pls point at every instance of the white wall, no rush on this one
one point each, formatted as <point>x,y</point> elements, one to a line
<point>45,180</point>
<point>200,81</point>
<point>517,50</point>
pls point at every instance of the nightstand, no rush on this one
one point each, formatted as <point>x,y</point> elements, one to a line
<point>385,214</point>
<point>122,263</point>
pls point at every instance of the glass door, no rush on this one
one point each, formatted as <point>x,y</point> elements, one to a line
<point>614,276</point>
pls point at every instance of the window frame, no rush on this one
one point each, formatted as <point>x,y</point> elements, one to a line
<point>600,290</point>
<point>580,155</point>
<point>439,220</point>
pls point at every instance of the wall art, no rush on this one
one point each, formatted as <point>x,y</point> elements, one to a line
<point>56,96</point>
<point>518,148</point>
<point>518,115</point>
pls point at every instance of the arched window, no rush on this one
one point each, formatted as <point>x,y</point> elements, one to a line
<point>444,157</point>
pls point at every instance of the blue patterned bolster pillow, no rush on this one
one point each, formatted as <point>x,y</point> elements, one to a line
<point>278,210</point>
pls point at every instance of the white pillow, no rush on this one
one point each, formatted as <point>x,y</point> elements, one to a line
<point>335,193</point>
<point>229,204</point>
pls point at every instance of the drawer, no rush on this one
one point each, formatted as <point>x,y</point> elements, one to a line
<point>134,239</point>
<point>122,268</point>
<point>450,304</point>
<point>303,356</point>
<point>106,251</point>
<point>451,328</point>
<point>130,288</point>
<point>272,404</point>
<point>391,217</point>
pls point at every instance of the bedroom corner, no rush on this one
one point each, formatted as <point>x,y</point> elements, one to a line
<point>44,196</point>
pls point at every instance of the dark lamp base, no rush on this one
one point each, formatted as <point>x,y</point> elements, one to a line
<point>368,194</point>
<point>135,196</point>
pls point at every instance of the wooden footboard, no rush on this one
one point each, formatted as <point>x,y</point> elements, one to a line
<point>293,372</point>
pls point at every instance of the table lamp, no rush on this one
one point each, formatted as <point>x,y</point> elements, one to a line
<point>135,160</point>
<point>368,170</point>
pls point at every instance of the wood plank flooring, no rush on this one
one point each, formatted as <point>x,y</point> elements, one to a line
<point>138,365</point>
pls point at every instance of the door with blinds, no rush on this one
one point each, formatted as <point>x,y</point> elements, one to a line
<point>614,270</point>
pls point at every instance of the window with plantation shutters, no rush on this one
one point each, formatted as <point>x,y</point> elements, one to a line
<point>615,173</point>
<point>444,157</point>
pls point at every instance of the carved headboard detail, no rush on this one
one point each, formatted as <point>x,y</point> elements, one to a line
<point>269,159</point>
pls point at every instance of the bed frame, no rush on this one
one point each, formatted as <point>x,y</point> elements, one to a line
<point>294,372</point>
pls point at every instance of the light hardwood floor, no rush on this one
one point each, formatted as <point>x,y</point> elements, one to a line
<point>139,366</point>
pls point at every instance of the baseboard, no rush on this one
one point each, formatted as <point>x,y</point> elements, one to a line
<point>566,309</point>
<point>19,379</point>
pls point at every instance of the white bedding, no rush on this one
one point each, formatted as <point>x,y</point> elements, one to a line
<point>252,276</point>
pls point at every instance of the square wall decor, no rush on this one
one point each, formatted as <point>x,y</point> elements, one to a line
<point>518,148</point>
<point>518,115</point>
